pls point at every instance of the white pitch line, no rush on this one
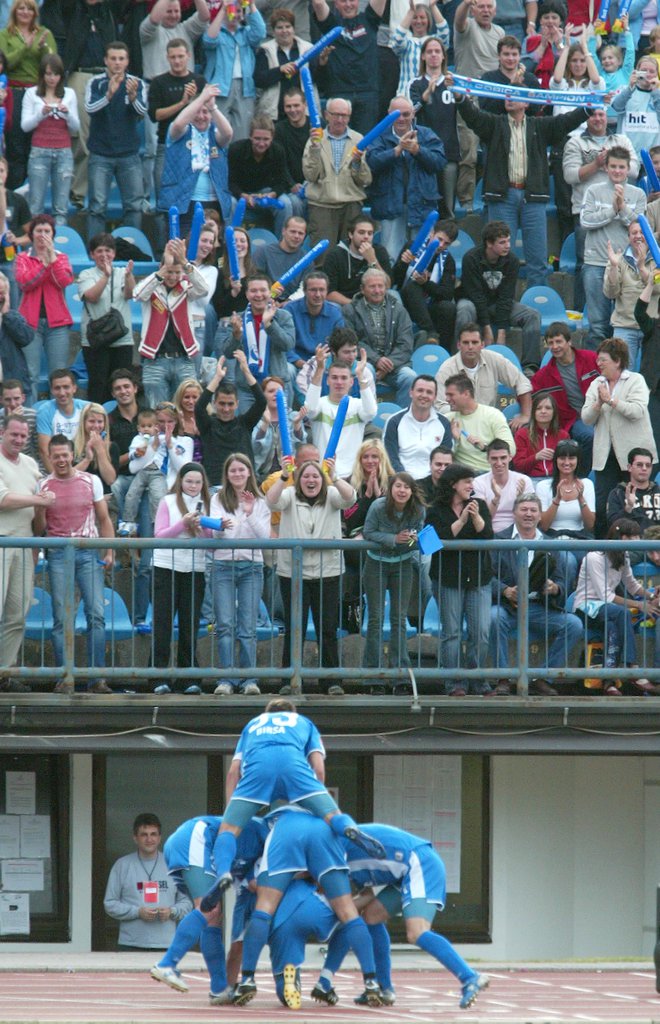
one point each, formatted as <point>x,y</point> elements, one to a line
<point>582,1016</point>
<point>617,995</point>
<point>543,1009</point>
<point>496,1002</point>
<point>576,988</point>
<point>531,981</point>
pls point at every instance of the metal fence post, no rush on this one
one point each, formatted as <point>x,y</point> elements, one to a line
<point>523,622</point>
<point>298,627</point>
<point>69,625</point>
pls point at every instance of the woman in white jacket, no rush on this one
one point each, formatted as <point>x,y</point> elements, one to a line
<point>50,112</point>
<point>238,574</point>
<point>274,70</point>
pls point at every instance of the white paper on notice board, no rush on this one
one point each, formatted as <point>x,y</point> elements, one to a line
<point>9,836</point>
<point>35,835</point>
<point>20,792</point>
<point>14,913</point>
<point>23,875</point>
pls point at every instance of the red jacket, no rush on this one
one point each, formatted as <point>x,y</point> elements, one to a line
<point>525,460</point>
<point>549,379</point>
<point>38,282</point>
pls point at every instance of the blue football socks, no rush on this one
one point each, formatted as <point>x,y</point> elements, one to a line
<point>255,939</point>
<point>441,948</point>
<point>213,951</point>
<point>185,937</point>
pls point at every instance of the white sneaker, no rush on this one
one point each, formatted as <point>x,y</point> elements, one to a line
<point>251,690</point>
<point>170,976</point>
<point>126,529</point>
<point>226,689</point>
<point>223,998</point>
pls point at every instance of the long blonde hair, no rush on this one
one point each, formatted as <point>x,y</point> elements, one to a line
<point>80,440</point>
<point>12,24</point>
<point>385,467</point>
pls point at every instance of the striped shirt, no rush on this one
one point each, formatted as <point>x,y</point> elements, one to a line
<point>408,48</point>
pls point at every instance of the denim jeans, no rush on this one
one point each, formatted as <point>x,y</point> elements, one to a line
<point>128,172</point>
<point>599,307</point>
<point>584,433</point>
<point>393,235</point>
<point>379,577</point>
<point>54,166</point>
<point>161,377</point>
<point>54,341</point>
<point>89,579</point>
<point>474,603</point>
<point>633,339</point>
<point>615,623</point>
<point>142,591</point>
<point>544,622</point>
<point>531,219</point>
<point>237,589</point>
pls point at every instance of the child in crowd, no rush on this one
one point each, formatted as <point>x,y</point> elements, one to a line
<point>615,62</point>
<point>155,455</point>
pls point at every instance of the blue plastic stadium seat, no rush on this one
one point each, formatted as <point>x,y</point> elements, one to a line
<point>384,411</point>
<point>67,240</point>
<point>429,359</point>
<point>461,244</point>
<point>547,303</point>
<point>567,256</point>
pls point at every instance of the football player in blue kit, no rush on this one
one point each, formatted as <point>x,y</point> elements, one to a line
<point>304,913</point>
<point>414,879</point>
<point>190,854</point>
<point>299,841</point>
<point>279,754</point>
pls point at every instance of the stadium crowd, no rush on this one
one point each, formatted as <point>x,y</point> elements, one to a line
<point>188,105</point>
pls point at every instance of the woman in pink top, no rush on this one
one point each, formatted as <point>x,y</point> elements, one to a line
<point>50,112</point>
<point>42,274</point>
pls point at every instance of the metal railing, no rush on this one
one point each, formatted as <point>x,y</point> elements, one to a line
<point>128,649</point>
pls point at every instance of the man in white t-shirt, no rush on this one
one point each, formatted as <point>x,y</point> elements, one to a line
<point>19,496</point>
<point>500,488</point>
<point>61,415</point>
<point>322,410</point>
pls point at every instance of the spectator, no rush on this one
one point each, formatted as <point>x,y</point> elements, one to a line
<point>185,400</point>
<point>461,580</point>
<point>60,415</point>
<point>314,318</point>
<point>146,909</point>
<point>429,297</point>
<point>238,573</point>
<point>116,103</point>
<point>567,376</point>
<point>154,463</point>
<point>264,333</point>
<point>541,50</point>
<point>393,522</point>
<point>258,169</point>
<point>171,90</point>
<point>487,370</point>
<point>229,296</point>
<point>42,274</point>
<point>412,434</point>
<point>275,72</point>
<point>404,165</point>
<point>336,176</point>
<point>322,411</point>
<point>650,362</point>
<point>617,405</point>
<point>568,504</point>
<point>437,111</point>
<point>475,53</point>
<point>441,457</point>
<point>583,164</point>
<point>266,437</point>
<point>639,498</point>
<point>615,62</point>
<point>342,343</point>
<point>206,263</point>
<point>500,488</point>
<point>168,345</point>
<point>104,287</point>
<point>196,161</point>
<point>535,444</point>
<point>546,599</point>
<point>230,46</point>
<point>292,134</point>
<point>15,335</point>
<point>24,42</point>
<point>161,27</point>
<point>509,71</point>
<point>50,117</point>
<point>385,330</point>
<point>516,180</point>
<point>275,258</point>
<point>19,496</point>
<point>227,432</point>
<point>12,400</point>
<point>607,210</point>
<point>77,507</point>
<point>419,24</point>
<point>311,510</point>
<point>626,276</point>
<point>473,425</point>
<point>489,275</point>
<point>598,604</point>
<point>346,263</point>
<point>14,223</point>
<point>352,70</point>
<point>93,451</point>
<point>179,575</point>
<point>638,106</point>
<point>90,26</point>
<point>653,555</point>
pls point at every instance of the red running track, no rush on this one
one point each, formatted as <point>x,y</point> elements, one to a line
<point>513,996</point>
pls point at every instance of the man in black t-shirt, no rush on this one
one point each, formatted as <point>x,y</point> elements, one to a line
<point>169,94</point>
<point>346,263</point>
<point>292,133</point>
